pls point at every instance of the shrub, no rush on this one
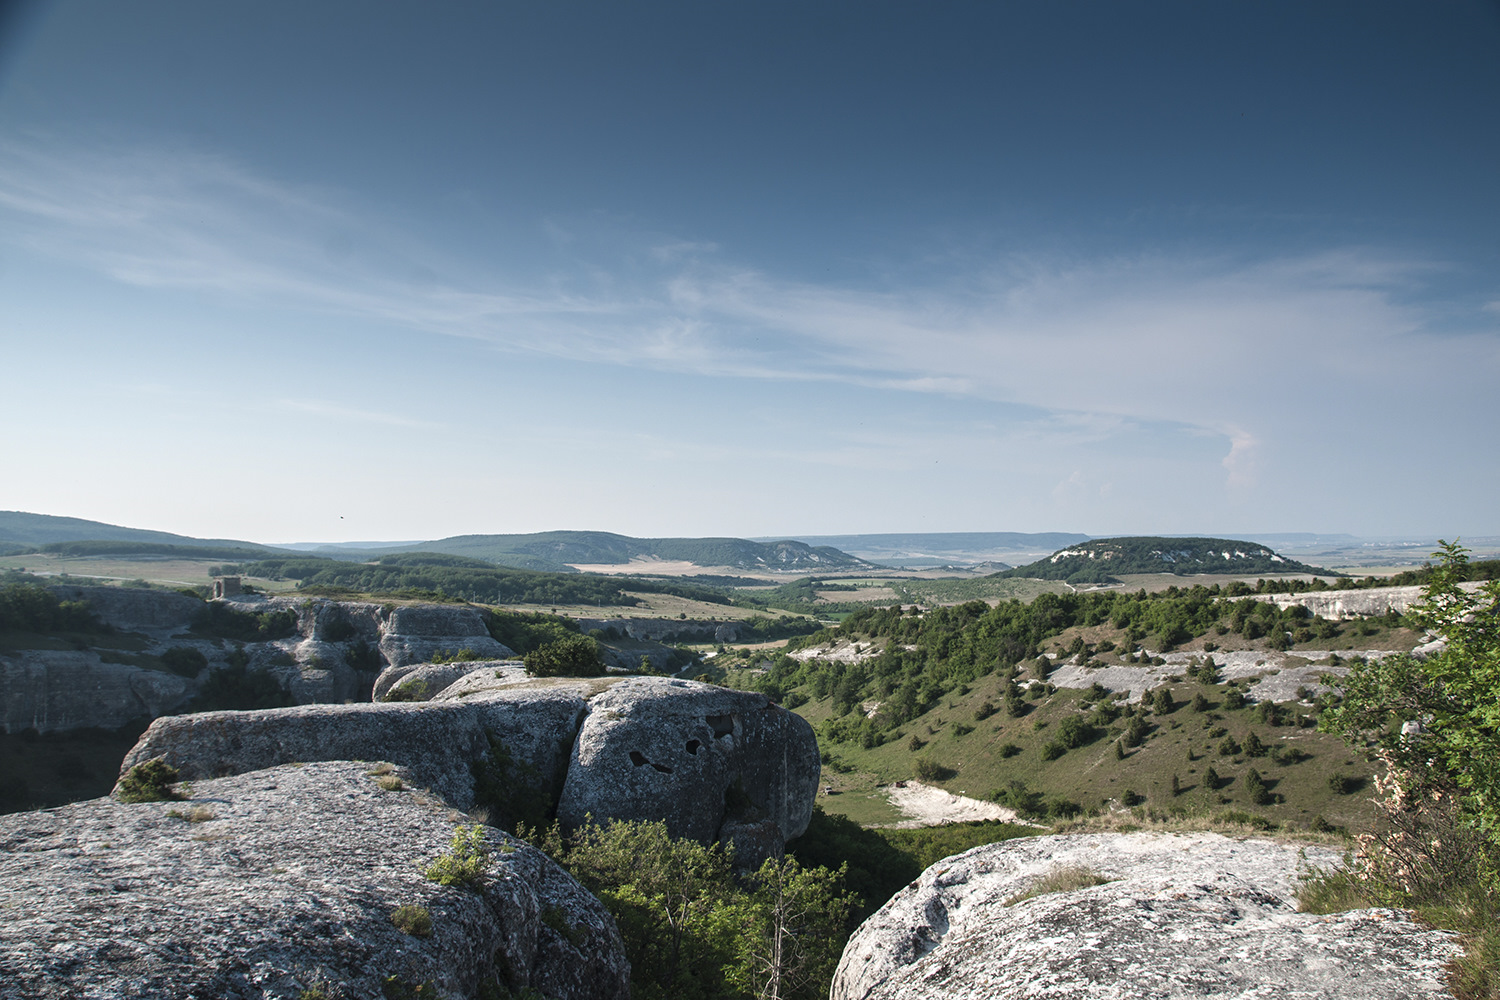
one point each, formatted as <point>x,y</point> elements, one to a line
<point>927,769</point>
<point>1131,798</point>
<point>1254,747</point>
<point>412,690</point>
<point>1009,750</point>
<point>465,860</point>
<point>185,661</point>
<point>412,919</point>
<point>150,781</point>
<point>1228,748</point>
<point>573,656</point>
<point>465,655</point>
<point>1344,784</point>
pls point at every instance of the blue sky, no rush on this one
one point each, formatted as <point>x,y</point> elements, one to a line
<point>286,271</point>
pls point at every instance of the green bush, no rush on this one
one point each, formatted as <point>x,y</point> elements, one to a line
<point>927,769</point>
<point>412,919</point>
<point>464,862</point>
<point>184,661</point>
<point>150,781</point>
<point>573,656</point>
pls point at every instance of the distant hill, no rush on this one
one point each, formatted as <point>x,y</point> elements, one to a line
<point>1102,560</point>
<point>946,547</point>
<point>556,550</point>
<point>21,529</point>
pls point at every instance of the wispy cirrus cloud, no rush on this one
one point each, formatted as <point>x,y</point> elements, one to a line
<point>1207,341</point>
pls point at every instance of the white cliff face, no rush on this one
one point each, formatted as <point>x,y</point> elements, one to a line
<point>1181,915</point>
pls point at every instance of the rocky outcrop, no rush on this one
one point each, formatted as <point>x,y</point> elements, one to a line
<point>1363,603</point>
<point>416,633</point>
<point>438,744</point>
<point>422,681</point>
<point>715,764</point>
<point>665,629</point>
<point>281,881</point>
<point>49,690</point>
<point>333,655</point>
<point>1196,915</point>
<point>133,609</point>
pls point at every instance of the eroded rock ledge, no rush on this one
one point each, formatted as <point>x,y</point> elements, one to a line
<point>279,881</point>
<point>715,764</point>
<point>1189,915</point>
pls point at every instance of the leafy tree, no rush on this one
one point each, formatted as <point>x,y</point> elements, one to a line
<point>1436,721</point>
<point>794,945</point>
<point>571,656</point>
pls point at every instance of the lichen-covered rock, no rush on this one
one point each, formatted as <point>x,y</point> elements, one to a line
<point>274,882</point>
<point>1187,915</point>
<point>416,633</point>
<point>493,676</point>
<point>52,690</point>
<point>424,681</point>
<point>438,744</point>
<point>713,763</point>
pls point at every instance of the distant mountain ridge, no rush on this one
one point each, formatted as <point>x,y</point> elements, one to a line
<point>551,551</point>
<point>1102,560</point>
<point>557,550</point>
<point>913,548</point>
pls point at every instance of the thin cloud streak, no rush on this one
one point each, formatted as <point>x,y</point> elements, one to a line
<point>1202,342</point>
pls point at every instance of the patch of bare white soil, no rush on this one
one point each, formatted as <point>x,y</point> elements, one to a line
<point>924,805</point>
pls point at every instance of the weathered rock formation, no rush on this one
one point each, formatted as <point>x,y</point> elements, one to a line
<point>715,764</point>
<point>666,629</point>
<point>415,633</point>
<point>1190,915</point>
<point>422,681</point>
<point>278,881</point>
<point>1362,603</point>
<point>133,609</point>
<point>333,656</point>
<point>49,690</point>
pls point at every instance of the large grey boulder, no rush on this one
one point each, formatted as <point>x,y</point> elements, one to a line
<point>52,690</point>
<point>439,744</point>
<point>715,764</point>
<point>1187,915</point>
<point>416,633</point>
<point>280,881</point>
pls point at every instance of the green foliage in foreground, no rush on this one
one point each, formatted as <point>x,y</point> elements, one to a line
<point>1435,725</point>
<point>464,862</point>
<point>693,929</point>
<point>150,781</point>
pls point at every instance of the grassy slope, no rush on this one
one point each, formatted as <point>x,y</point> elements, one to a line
<point>1091,775</point>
